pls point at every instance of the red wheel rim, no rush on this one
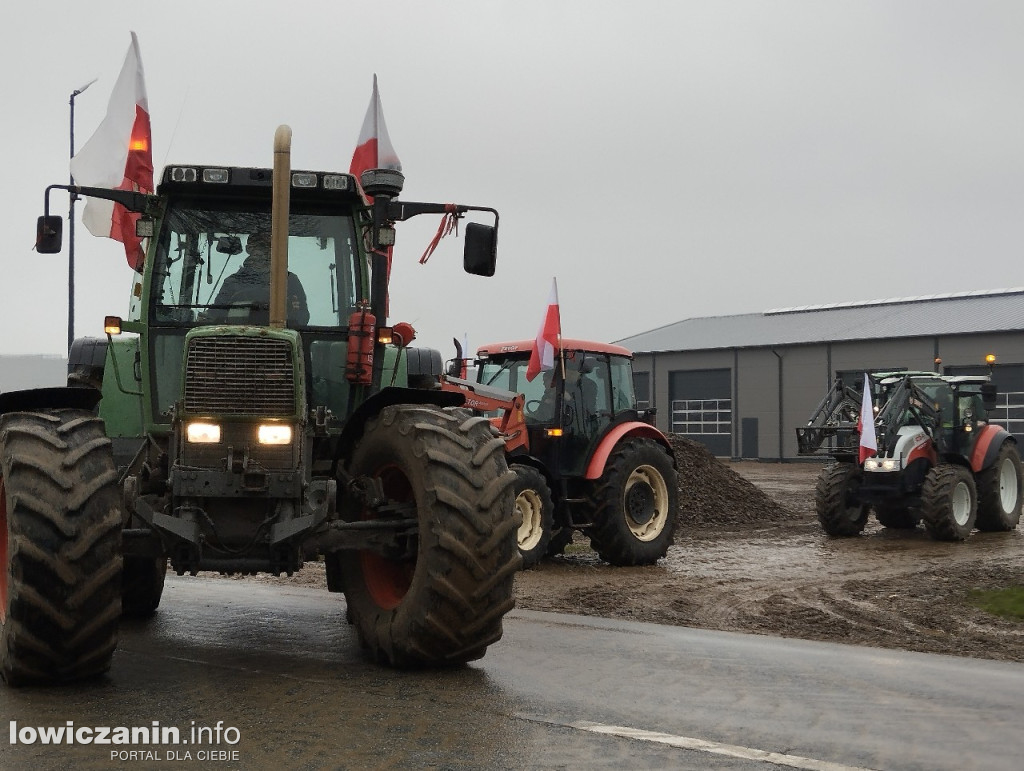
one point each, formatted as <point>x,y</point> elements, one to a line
<point>388,580</point>
<point>4,556</point>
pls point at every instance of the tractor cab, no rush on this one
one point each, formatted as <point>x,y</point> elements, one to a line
<point>568,408</point>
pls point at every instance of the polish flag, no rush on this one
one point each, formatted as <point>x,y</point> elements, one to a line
<point>119,156</point>
<point>868,442</point>
<point>373,148</point>
<point>542,358</point>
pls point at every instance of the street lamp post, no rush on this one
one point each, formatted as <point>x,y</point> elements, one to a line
<point>71,223</point>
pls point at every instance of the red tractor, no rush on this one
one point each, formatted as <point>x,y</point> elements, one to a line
<point>939,460</point>
<point>589,461</point>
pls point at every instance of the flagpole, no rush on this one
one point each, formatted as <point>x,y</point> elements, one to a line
<point>71,220</point>
<point>561,351</point>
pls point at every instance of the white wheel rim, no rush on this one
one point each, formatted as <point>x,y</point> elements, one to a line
<point>650,476</point>
<point>961,503</point>
<point>531,529</point>
<point>1008,485</point>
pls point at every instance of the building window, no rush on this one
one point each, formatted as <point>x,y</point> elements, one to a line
<point>702,417</point>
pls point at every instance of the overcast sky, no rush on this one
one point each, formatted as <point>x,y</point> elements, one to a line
<point>664,160</point>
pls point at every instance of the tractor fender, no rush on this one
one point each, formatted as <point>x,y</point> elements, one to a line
<point>386,397</point>
<point>49,398</point>
<point>595,467</point>
<point>986,447</point>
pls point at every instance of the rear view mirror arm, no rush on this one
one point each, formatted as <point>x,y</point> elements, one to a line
<point>129,199</point>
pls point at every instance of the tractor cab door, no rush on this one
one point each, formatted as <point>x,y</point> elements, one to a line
<point>586,409</point>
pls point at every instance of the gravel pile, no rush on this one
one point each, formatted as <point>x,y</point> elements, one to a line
<point>710,493</point>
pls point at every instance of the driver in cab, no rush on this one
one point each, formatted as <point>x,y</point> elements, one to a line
<point>249,287</point>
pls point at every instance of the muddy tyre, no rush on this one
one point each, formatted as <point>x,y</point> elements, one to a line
<point>836,500</point>
<point>999,491</point>
<point>534,513</point>
<point>635,504</point>
<point>142,585</point>
<point>949,502</point>
<point>897,517</point>
<point>443,602</point>
<point>60,547</point>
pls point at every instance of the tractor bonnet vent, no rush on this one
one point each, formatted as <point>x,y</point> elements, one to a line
<point>240,375</point>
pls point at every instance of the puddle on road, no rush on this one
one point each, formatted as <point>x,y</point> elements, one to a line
<point>806,554</point>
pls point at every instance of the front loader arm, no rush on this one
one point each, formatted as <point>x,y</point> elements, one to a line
<point>482,398</point>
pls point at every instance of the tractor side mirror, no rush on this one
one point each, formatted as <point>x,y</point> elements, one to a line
<point>49,232</point>
<point>481,251</point>
<point>988,396</point>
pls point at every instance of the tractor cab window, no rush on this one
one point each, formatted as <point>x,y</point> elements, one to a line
<point>540,394</point>
<point>213,267</point>
<point>623,393</point>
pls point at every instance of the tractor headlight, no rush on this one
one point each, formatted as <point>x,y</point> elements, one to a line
<point>882,464</point>
<point>274,433</point>
<point>202,433</point>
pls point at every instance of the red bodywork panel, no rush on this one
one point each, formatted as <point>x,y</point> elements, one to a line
<point>987,435</point>
<point>595,468</point>
<point>924,450</point>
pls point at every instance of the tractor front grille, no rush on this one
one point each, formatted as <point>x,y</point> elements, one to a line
<point>240,375</point>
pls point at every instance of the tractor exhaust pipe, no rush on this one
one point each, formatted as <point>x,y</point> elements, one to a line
<point>279,226</point>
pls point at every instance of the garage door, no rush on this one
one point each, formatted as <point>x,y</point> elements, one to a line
<point>701,402</point>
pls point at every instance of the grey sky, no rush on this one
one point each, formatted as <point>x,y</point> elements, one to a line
<point>663,159</point>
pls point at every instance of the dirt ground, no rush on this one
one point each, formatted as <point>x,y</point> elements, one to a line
<point>749,556</point>
<point>766,567</point>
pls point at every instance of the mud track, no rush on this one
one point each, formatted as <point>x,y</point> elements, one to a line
<point>778,574</point>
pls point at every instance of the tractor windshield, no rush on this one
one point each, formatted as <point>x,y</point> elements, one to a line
<point>213,266</point>
<point>510,374</point>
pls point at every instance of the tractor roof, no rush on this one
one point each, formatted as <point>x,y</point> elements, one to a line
<point>232,181</point>
<point>568,344</point>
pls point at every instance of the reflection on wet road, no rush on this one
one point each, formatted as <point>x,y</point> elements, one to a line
<point>280,665</point>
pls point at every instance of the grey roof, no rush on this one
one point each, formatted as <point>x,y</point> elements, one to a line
<point>948,314</point>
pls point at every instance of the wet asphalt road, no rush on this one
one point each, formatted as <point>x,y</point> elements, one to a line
<point>281,667</point>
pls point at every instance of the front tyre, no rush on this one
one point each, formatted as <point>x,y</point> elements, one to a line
<point>949,502</point>
<point>837,501</point>
<point>999,491</point>
<point>443,603</point>
<point>60,547</point>
<point>535,513</point>
<point>635,504</point>
<point>142,585</point>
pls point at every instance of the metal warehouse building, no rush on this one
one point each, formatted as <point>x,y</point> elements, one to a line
<point>742,384</point>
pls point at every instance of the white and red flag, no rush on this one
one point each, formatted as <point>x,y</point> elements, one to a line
<point>868,441</point>
<point>119,155</point>
<point>548,338</point>
<point>373,148</point>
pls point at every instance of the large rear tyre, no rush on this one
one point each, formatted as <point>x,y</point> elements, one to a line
<point>897,517</point>
<point>1000,490</point>
<point>836,500</point>
<point>142,585</point>
<point>949,502</point>
<point>535,513</point>
<point>443,603</point>
<point>635,503</point>
<point>60,547</point>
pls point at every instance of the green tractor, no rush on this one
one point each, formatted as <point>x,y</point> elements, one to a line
<point>252,432</point>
